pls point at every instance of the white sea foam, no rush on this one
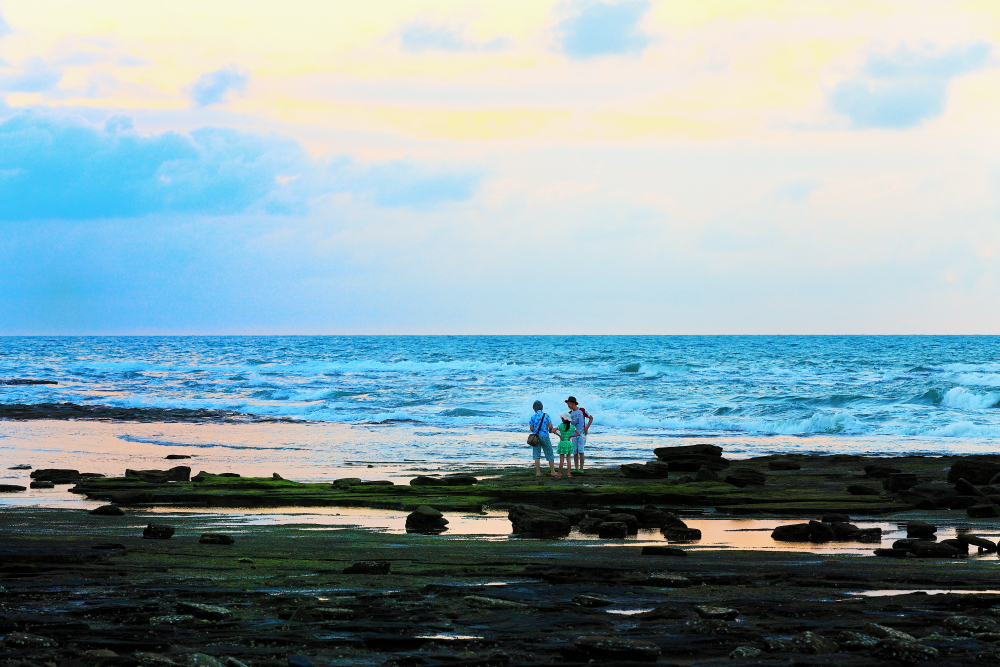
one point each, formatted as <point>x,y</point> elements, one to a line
<point>960,397</point>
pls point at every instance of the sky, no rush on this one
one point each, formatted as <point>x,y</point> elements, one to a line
<point>516,167</point>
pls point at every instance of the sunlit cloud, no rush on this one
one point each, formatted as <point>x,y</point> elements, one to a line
<point>219,86</point>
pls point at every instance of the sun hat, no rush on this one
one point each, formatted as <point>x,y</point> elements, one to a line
<point>565,417</point>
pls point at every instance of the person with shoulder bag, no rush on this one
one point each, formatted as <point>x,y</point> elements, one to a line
<point>540,426</point>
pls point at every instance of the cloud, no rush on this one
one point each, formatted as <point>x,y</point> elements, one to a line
<point>58,167</point>
<point>903,88</point>
<point>420,37</point>
<point>215,87</point>
<point>35,77</point>
<point>4,26</point>
<point>597,27</point>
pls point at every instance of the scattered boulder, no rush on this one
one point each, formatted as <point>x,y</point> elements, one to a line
<point>131,497</point>
<point>903,651</point>
<point>369,567</point>
<point>885,632</point>
<point>892,553</point>
<point>966,488</point>
<point>174,457</point>
<point>537,521</point>
<point>589,525</point>
<point>835,517</point>
<point>202,476</point>
<point>862,490</point>
<point>631,523</point>
<point>689,458</point>
<point>108,510</point>
<point>574,514</point>
<point>855,641</point>
<point>448,480</point>
<point>711,626</point>
<point>984,544</point>
<point>618,648</point>
<point>202,660</point>
<point>821,532</point>
<point>710,611</point>
<point>974,470</point>
<point>967,626</point>
<point>964,502</point>
<point>899,481</point>
<point>483,602</point>
<point>56,475</point>
<point>744,652</point>
<point>663,551</point>
<point>42,484</point>
<point>920,529</point>
<point>927,549</point>
<point>879,471</point>
<point>158,531</point>
<point>680,534</point>
<point>177,474</point>
<point>783,464</point>
<point>426,519</point>
<point>23,640</point>
<point>612,530</point>
<point>706,475</point>
<point>650,470</point>
<point>742,477</point>
<point>815,644</point>
<point>216,538</point>
<point>982,511</point>
<point>22,466</point>
<point>794,532</point>
<point>961,547</point>
<point>209,612</point>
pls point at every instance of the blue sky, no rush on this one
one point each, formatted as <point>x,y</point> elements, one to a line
<point>589,166</point>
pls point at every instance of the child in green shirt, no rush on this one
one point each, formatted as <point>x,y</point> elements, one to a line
<point>566,432</point>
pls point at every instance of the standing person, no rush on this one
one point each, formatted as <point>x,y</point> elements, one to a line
<point>582,421</point>
<point>541,425</point>
<point>566,432</point>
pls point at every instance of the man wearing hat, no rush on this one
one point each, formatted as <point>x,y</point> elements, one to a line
<point>582,421</point>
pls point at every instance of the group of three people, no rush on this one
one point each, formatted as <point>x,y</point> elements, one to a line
<point>572,434</point>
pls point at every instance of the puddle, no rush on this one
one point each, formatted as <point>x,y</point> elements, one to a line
<point>927,591</point>
<point>629,612</point>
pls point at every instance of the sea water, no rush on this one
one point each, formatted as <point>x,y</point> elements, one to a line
<point>467,398</point>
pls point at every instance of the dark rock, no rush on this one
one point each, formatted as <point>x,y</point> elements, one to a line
<point>299,660</point>
<point>920,529</point>
<point>783,464</point>
<point>899,481</point>
<point>650,470</point>
<point>537,521</point>
<point>369,567</point>
<point>612,530</point>
<point>131,497</point>
<point>855,641</point>
<point>108,510</point>
<point>22,640</point>
<point>669,581</point>
<point>904,544</point>
<point>109,546</point>
<point>862,490</point>
<point>794,532</point>
<point>209,612</point>
<point>671,520</point>
<point>448,480</point>
<point>975,471</point>
<point>742,477</point>
<point>574,515</point>
<point>964,502</point>
<point>680,534</point>
<point>939,492</point>
<point>820,532</point>
<point>216,538</point>
<point>892,553</point>
<point>815,644</point>
<point>652,517</point>
<point>174,457</point>
<point>968,626</point>
<point>976,541</point>
<point>426,519</point>
<point>176,474</point>
<point>158,531</point>
<point>42,485</point>
<point>711,626</point>
<point>663,551</point>
<point>982,511</point>
<point>56,475</point>
<point>908,652</point>
<point>202,476</point>
<point>22,466</point>
<point>341,483</point>
<point>599,513</point>
<point>706,475</point>
<point>926,504</point>
<point>843,531</point>
<point>885,632</point>
<point>618,648</point>
<point>879,471</point>
<point>591,601</point>
<point>589,525</point>
<point>925,549</point>
<point>966,488</point>
<point>834,517</point>
<point>690,458</point>
<point>871,535</point>
<point>710,611</point>
<point>12,488</point>
<point>28,381</point>
<point>631,523</point>
<point>959,546</point>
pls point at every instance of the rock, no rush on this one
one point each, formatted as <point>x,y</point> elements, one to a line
<point>202,476</point>
<point>794,532</point>
<point>862,490</point>
<point>276,476</point>
<point>22,466</point>
<point>870,535</point>
<point>299,660</point>
<point>963,502</point>
<point>12,488</point>
<point>892,553</point>
<point>776,645</point>
<point>131,497</point>
<point>742,477</point>
<point>575,515</point>
<point>589,525</point>
<point>56,475</point>
<point>612,530</point>
<point>449,480</point>
<point>783,464</point>
<point>906,544</point>
<point>885,632</point>
<point>975,471</point>
<point>925,549</point>
<point>215,538</point>
<point>967,626</point>
<point>663,551</point>
<point>959,546</point>
<point>920,529</point>
<point>820,532</point>
<point>879,471</point>
<point>42,485</point>
<point>650,470</point>
<point>899,481</point>
<point>341,483</point>
<point>20,381</point>
<point>426,519</point>
<point>908,652</point>
<point>108,510</point>
<point>711,626</point>
<point>669,581</point>
<point>177,474</point>
<point>158,531</point>
<point>706,475</point>
<point>617,648</point>
<point>966,488</point>
<point>710,611</point>
<point>681,534</point>
<point>834,517</point>
<point>976,541</point>
<point>982,511</point>
<point>842,531</point>
<point>601,514</point>
<point>939,492</point>
<point>817,644</point>
<point>744,652</point>
<point>174,457</point>
<point>202,660</point>
<point>100,654</point>
<point>591,601</point>
<point>483,602</point>
<point>538,522</point>
<point>151,659</point>
<point>22,640</point>
<point>631,523</point>
<point>369,567</point>
<point>690,458</point>
<point>670,520</point>
<point>109,546</point>
<point>855,641</point>
<point>209,612</point>
<point>177,619</point>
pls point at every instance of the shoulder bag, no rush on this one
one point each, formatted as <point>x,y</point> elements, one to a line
<point>533,439</point>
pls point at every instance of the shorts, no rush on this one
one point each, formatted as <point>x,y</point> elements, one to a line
<point>578,443</point>
<point>546,446</point>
